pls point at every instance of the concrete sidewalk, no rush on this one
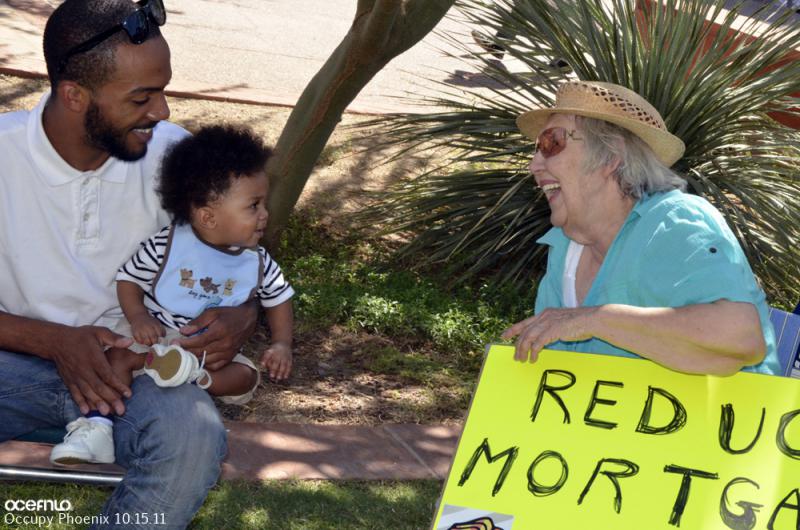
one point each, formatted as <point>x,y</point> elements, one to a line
<point>302,451</point>
<point>263,51</point>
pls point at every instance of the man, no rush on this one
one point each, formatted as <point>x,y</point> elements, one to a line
<point>76,199</point>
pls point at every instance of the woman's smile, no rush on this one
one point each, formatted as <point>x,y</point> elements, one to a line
<point>551,189</point>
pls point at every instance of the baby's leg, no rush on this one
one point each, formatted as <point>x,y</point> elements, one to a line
<point>233,379</point>
<point>123,362</point>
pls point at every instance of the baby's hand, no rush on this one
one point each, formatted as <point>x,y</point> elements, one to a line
<point>146,330</point>
<point>278,360</point>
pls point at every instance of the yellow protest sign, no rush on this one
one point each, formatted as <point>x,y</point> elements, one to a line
<point>579,441</point>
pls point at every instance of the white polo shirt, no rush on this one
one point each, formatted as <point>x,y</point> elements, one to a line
<point>64,232</point>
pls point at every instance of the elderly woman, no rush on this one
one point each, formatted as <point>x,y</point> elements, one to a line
<point>636,267</point>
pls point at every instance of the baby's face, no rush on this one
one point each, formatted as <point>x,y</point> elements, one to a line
<point>241,214</point>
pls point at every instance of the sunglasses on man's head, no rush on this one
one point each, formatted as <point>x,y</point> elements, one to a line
<point>136,25</point>
<point>552,141</point>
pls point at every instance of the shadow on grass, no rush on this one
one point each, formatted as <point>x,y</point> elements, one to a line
<point>297,505</point>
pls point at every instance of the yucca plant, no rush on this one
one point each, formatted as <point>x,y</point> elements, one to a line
<point>478,210</point>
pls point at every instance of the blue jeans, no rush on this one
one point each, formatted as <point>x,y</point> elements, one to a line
<point>171,441</point>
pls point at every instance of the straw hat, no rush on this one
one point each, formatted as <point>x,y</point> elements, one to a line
<point>612,103</point>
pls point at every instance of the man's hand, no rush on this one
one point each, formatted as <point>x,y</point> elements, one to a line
<point>220,332</point>
<point>549,326</point>
<point>146,329</point>
<point>278,360</point>
<point>79,355</point>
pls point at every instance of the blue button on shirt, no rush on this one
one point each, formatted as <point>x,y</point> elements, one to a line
<point>674,249</point>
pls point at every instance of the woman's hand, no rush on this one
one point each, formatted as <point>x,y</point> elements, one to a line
<point>551,325</point>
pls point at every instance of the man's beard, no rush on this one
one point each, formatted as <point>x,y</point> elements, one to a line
<point>102,134</point>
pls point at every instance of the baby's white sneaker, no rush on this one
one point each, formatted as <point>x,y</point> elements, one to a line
<point>173,366</point>
<point>86,442</point>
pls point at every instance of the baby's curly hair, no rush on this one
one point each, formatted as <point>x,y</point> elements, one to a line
<point>200,168</point>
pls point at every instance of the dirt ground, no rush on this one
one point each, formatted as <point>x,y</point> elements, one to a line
<point>329,382</point>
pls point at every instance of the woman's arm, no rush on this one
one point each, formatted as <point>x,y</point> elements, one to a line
<point>716,338</point>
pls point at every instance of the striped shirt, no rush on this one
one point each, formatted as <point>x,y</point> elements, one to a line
<point>181,276</point>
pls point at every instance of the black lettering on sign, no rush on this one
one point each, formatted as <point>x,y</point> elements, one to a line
<point>553,390</point>
<point>785,504</point>
<point>630,469</point>
<point>683,493</point>
<point>678,415</point>
<point>510,455</point>
<point>745,521</point>
<point>780,436</point>
<point>543,491</point>
<point>593,422</point>
<point>726,421</point>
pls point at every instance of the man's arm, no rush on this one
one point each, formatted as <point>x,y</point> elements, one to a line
<point>220,332</point>
<point>79,356</point>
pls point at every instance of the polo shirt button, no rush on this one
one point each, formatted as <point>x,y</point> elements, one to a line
<point>86,216</point>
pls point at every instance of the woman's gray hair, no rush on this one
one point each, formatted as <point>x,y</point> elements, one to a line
<point>639,172</point>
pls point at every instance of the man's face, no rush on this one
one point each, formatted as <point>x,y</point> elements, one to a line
<point>103,135</point>
<point>122,113</point>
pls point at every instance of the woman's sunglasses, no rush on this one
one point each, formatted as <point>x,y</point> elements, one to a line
<point>552,141</point>
<point>136,25</point>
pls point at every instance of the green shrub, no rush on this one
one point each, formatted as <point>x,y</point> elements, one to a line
<point>336,286</point>
<point>379,315</point>
<point>479,213</point>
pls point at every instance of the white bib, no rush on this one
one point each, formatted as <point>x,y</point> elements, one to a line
<point>196,275</point>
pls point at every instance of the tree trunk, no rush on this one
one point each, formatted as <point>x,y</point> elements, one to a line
<point>381,30</point>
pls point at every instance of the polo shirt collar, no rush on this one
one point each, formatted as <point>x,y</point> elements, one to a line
<point>55,170</point>
<point>552,237</point>
<point>644,205</point>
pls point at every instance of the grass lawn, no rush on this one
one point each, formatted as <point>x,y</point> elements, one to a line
<point>279,505</point>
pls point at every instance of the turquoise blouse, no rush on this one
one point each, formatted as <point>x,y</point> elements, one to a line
<point>674,249</point>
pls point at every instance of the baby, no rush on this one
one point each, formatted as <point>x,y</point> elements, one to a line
<point>214,187</point>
